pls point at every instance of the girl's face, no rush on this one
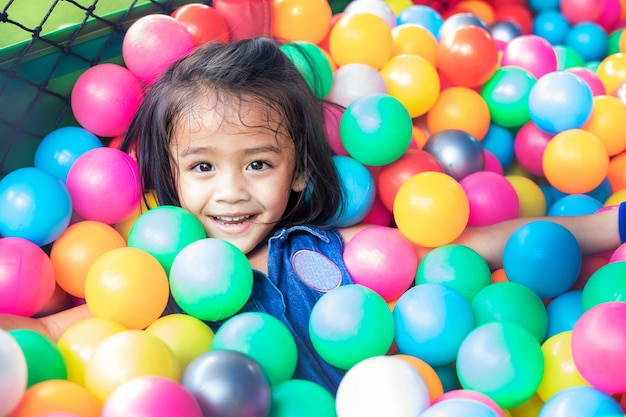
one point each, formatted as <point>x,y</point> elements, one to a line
<point>234,173</point>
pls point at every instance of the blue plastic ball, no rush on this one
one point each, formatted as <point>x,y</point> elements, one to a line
<point>58,150</point>
<point>34,205</point>
<point>543,256</point>
<point>431,322</point>
<point>499,141</point>
<point>574,205</point>
<point>359,191</point>
<point>423,16</point>
<point>564,311</point>
<point>589,39</point>
<point>551,25</point>
<point>581,402</point>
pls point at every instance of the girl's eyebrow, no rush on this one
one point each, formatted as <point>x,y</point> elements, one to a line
<point>196,150</point>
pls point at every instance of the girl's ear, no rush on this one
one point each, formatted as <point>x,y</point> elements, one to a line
<point>298,184</point>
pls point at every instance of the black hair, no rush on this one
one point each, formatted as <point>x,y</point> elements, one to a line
<point>251,70</point>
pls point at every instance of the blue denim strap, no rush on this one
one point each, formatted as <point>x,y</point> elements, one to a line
<point>621,221</point>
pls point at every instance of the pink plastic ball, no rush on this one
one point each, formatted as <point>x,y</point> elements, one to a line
<point>332,117</point>
<point>619,254</point>
<point>610,16</point>
<point>492,163</point>
<point>492,198</point>
<point>104,185</point>
<point>154,42</point>
<point>532,53</point>
<point>355,80</point>
<point>373,256</point>
<point>469,394</point>
<point>590,78</point>
<point>576,11</point>
<point>378,214</point>
<point>529,145</point>
<point>598,346</point>
<point>149,396</point>
<point>105,98</point>
<point>26,277</point>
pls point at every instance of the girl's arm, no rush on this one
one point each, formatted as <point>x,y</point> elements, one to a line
<point>52,326</point>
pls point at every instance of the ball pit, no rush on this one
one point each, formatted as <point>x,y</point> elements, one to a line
<point>480,68</point>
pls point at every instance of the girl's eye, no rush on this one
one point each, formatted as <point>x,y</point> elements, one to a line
<point>258,165</point>
<point>203,167</point>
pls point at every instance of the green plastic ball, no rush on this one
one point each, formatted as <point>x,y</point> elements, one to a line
<point>44,360</point>
<point>312,63</point>
<point>506,94</point>
<point>301,398</point>
<point>605,285</point>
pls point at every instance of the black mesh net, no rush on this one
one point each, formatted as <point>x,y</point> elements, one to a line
<point>44,46</point>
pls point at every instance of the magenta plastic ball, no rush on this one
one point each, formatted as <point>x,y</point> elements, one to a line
<point>598,345</point>
<point>355,80</point>
<point>530,52</point>
<point>152,43</point>
<point>530,143</point>
<point>492,198</point>
<point>492,163</point>
<point>382,259</point>
<point>332,117</point>
<point>104,185</point>
<point>576,11</point>
<point>105,98</point>
<point>26,277</point>
<point>147,396</point>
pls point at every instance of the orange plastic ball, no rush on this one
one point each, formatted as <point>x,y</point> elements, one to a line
<point>431,209</point>
<point>532,201</point>
<point>363,38</point>
<point>73,253</point>
<point>479,8</point>
<point>127,285</point>
<point>460,108</point>
<point>413,81</point>
<point>427,372</point>
<point>79,341</point>
<point>413,39</point>
<point>58,396</point>
<point>301,20</point>
<point>617,172</point>
<point>612,71</point>
<point>606,123</point>
<point>575,161</point>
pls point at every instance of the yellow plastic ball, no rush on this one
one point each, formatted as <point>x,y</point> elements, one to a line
<point>301,20</point>
<point>413,39</point>
<point>612,71</point>
<point>606,121</point>
<point>532,201</point>
<point>431,209</point>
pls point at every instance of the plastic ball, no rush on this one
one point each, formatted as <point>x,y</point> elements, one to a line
<point>413,81</point>
<point>14,375</point>
<point>511,302</point>
<point>203,23</point>
<point>544,256</point>
<point>500,141</point>
<point>574,205</point>
<point>382,385</point>
<point>104,185</point>
<point>576,11</point>
<point>44,360</point>
<point>456,266</point>
<point>376,7</point>
<point>391,176</point>
<point>460,153</point>
<point>127,285</point>
<point>312,63</point>
<point>105,98</point>
<point>228,383</point>
<point>575,161</point>
<point>589,39</point>
<point>606,115</point>
<point>530,144</point>
<point>505,30</point>
<point>459,108</point>
<point>187,336</point>
<point>458,21</point>
<point>612,71</point>
<point>371,259</point>
<point>431,209</point>
<point>58,150</point>
<point>26,277</point>
<point>476,396</point>
<point>551,26</point>
<point>431,322</point>
<point>467,56</point>
<point>75,251</point>
<point>262,337</point>
<point>211,279</point>
<point>531,52</point>
<point>560,372</point>
<point>147,202</point>
<point>355,80</point>
<point>532,200</point>
<point>421,15</point>
<point>428,374</point>
<point>568,57</point>
<point>332,117</point>
<point>147,396</point>
<point>604,285</point>
<point>126,355</point>
<point>616,173</point>
<point>459,406</point>
<point>506,94</point>
<point>58,396</point>
<point>358,189</point>
<point>376,129</point>
<point>414,39</point>
<point>502,360</point>
<point>361,37</point>
<point>298,20</point>
<point>350,323</point>
<point>80,340</point>
<point>164,231</point>
<point>515,12</point>
<point>581,401</point>
<point>152,43</point>
<point>590,78</point>
<point>491,197</point>
<point>302,398</point>
<point>611,15</point>
<point>378,215</point>
<point>34,205</point>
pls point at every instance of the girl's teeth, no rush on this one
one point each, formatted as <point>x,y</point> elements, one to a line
<point>231,219</point>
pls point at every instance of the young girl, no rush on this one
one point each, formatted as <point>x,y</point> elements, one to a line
<point>234,134</point>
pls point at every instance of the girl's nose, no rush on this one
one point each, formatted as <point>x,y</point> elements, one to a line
<point>230,187</point>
